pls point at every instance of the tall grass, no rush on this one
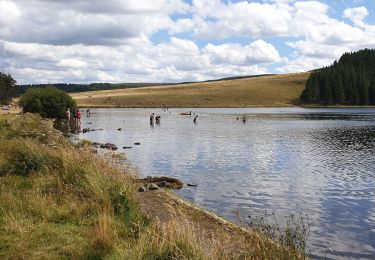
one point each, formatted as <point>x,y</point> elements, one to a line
<point>60,200</point>
<point>290,233</point>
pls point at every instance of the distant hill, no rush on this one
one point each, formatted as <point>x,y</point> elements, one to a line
<point>349,81</point>
<point>72,88</point>
<point>250,91</point>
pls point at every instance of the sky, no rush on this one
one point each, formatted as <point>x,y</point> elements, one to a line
<point>85,41</point>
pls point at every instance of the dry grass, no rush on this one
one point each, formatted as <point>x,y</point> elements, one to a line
<point>273,91</point>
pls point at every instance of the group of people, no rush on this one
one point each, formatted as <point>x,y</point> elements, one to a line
<point>76,116</point>
<point>157,119</point>
<point>243,118</point>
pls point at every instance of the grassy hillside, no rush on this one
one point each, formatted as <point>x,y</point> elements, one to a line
<point>272,90</point>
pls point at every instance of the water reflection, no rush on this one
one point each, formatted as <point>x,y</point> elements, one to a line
<point>314,161</point>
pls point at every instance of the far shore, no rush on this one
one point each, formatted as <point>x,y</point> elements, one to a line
<point>265,106</point>
<point>267,91</point>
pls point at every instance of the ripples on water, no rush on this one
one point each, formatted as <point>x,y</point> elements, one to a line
<point>314,161</point>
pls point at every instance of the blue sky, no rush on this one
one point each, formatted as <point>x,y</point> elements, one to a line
<point>84,41</point>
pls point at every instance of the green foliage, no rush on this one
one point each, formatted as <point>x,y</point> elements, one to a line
<point>24,158</point>
<point>350,81</point>
<point>48,102</point>
<point>7,88</point>
<point>71,88</point>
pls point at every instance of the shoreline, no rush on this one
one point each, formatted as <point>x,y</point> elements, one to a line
<point>203,107</point>
<point>89,206</point>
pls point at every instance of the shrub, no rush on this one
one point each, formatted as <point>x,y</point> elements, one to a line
<point>48,102</point>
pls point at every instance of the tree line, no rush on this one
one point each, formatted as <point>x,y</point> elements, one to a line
<point>349,81</point>
<point>71,88</point>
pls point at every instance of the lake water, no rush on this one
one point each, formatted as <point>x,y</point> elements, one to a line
<point>319,162</point>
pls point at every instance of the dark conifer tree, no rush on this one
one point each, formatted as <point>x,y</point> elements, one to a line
<point>348,81</point>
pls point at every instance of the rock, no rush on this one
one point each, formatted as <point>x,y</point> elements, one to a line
<point>142,189</point>
<point>192,185</point>
<point>153,186</point>
<point>127,147</point>
<point>137,143</point>
<point>108,146</point>
<point>169,182</point>
<point>119,129</point>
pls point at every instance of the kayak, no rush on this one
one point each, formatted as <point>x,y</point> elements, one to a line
<point>185,114</point>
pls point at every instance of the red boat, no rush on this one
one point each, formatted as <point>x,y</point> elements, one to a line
<point>185,113</point>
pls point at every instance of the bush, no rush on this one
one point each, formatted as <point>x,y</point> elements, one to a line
<point>48,102</point>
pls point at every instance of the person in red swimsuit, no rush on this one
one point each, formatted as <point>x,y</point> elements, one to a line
<point>78,119</point>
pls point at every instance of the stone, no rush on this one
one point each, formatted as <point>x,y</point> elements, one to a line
<point>153,187</point>
<point>109,146</point>
<point>126,147</point>
<point>162,184</point>
<point>137,143</point>
<point>142,189</point>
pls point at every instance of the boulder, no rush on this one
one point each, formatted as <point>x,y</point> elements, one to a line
<point>109,146</point>
<point>153,186</point>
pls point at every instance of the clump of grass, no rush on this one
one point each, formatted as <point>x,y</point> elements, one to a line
<point>23,157</point>
<point>83,144</point>
<point>169,241</point>
<point>290,233</point>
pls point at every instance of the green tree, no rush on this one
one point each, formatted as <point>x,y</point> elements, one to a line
<point>48,102</point>
<point>347,81</point>
<point>7,88</point>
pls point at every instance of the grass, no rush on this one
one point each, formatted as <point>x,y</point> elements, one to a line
<point>272,90</point>
<point>59,200</point>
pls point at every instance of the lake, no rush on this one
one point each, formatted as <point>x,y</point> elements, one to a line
<point>319,162</point>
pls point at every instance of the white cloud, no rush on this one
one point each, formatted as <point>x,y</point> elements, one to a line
<point>254,53</point>
<point>9,13</point>
<point>177,60</point>
<point>214,19</point>
<point>356,15</point>
<point>86,41</point>
<point>94,22</point>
